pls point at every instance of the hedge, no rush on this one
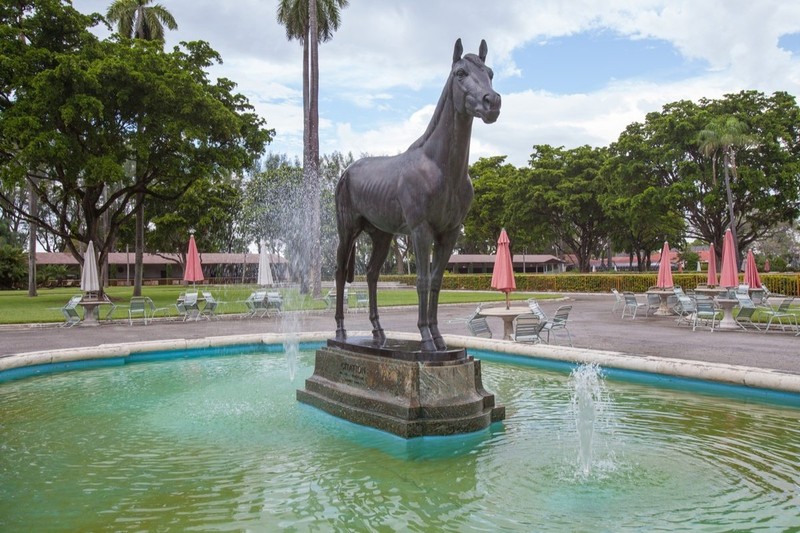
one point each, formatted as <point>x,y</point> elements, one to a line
<point>788,284</point>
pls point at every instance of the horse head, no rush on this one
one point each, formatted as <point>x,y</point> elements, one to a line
<point>473,94</point>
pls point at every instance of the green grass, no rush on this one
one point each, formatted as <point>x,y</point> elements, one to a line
<point>17,308</point>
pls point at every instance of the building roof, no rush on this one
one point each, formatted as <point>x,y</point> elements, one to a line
<point>121,258</point>
<point>517,258</point>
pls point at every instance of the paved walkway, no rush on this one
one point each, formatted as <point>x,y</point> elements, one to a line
<point>591,324</point>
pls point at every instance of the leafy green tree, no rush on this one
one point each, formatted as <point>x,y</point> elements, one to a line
<point>72,123</point>
<point>13,266</point>
<point>492,179</point>
<point>136,19</point>
<point>563,187</point>
<point>643,213</point>
<point>311,21</point>
<point>767,187</point>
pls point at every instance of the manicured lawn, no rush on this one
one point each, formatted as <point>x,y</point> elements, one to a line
<point>17,308</point>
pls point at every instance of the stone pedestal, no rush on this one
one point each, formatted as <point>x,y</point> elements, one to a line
<point>400,389</point>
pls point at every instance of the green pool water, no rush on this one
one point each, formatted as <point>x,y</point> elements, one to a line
<point>221,444</point>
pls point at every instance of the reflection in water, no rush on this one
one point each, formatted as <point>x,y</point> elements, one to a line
<point>221,443</point>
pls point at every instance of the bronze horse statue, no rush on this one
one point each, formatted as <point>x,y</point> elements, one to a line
<point>424,192</point>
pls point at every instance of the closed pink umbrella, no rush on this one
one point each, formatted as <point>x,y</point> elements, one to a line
<point>503,274</point>
<point>194,268</point>
<point>712,266</point>
<point>751,277</point>
<point>729,276</point>
<point>664,269</point>
<point>766,265</point>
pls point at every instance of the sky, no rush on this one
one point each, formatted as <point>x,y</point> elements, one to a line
<point>570,72</point>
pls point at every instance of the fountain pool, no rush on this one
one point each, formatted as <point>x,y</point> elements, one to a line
<point>220,443</point>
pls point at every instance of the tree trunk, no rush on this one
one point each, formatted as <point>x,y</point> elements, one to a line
<point>33,203</point>
<point>314,272</point>
<point>139,246</point>
<point>730,211</point>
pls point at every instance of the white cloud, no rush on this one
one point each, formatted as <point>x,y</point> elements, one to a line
<point>384,68</point>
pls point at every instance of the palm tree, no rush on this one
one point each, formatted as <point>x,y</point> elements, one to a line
<point>311,21</point>
<point>722,137</point>
<point>135,19</point>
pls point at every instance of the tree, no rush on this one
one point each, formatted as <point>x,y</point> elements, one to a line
<point>493,180</point>
<point>643,213</point>
<point>564,187</point>
<point>311,21</point>
<point>135,19</point>
<point>766,190</point>
<point>72,124</point>
<point>723,136</point>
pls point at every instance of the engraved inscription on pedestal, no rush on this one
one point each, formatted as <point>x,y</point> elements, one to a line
<point>353,374</point>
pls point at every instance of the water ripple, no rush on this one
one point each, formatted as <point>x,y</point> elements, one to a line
<point>221,444</point>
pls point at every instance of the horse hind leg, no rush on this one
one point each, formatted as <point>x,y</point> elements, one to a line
<point>345,262</point>
<point>381,244</point>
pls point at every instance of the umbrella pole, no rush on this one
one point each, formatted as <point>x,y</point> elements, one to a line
<point>508,304</point>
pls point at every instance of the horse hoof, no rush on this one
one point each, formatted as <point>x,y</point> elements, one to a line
<point>428,345</point>
<point>440,344</point>
<point>341,335</point>
<point>379,336</point>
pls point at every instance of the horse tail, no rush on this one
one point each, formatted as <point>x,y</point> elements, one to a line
<point>351,261</point>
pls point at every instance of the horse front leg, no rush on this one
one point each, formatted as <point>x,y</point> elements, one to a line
<point>442,251</point>
<point>381,244</point>
<point>422,239</point>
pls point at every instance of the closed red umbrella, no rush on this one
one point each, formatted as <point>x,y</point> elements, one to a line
<point>751,277</point>
<point>664,269</point>
<point>194,267</point>
<point>729,276</point>
<point>712,266</point>
<point>503,274</point>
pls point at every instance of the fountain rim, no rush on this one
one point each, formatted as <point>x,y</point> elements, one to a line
<point>21,365</point>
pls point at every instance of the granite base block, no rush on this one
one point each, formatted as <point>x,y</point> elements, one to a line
<point>411,395</point>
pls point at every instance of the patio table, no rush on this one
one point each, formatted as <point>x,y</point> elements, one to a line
<point>664,294</point>
<point>727,305</point>
<point>508,316</point>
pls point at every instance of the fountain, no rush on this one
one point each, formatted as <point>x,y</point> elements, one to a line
<point>587,405</point>
<point>193,441</point>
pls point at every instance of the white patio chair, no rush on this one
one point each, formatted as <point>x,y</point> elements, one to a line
<point>70,311</point>
<point>558,323</point>
<point>619,300</point>
<point>744,318</point>
<point>138,306</point>
<point>210,308</point>
<point>686,309</point>
<point>782,313</point>
<point>705,312</point>
<point>632,305</point>
<point>653,304</point>
<point>479,327</point>
<point>527,328</point>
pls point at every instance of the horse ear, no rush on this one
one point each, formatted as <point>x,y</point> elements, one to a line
<point>483,50</point>
<point>458,50</point>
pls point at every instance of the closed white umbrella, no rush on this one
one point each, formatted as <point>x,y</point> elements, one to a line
<point>264,270</point>
<point>90,281</point>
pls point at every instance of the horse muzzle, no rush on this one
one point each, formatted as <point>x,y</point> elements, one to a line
<point>490,109</point>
